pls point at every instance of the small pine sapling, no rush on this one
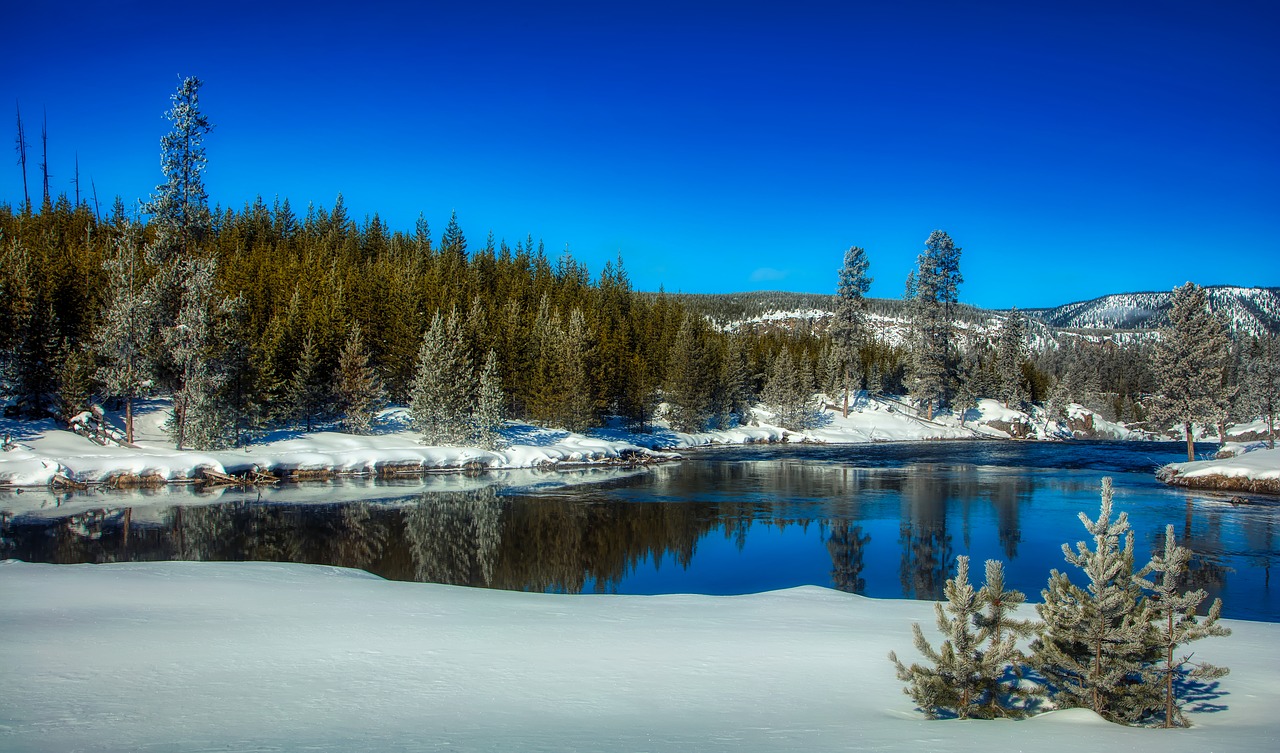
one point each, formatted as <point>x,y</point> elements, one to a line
<point>1093,649</point>
<point>963,674</point>
<point>1006,697</point>
<point>1176,624</point>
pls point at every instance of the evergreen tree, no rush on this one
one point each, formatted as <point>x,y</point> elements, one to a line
<point>490,411</point>
<point>1005,695</point>
<point>199,346</point>
<point>180,207</point>
<point>964,676</point>
<point>453,243</point>
<point>122,337</point>
<point>1093,650</point>
<point>934,291</point>
<point>788,392</point>
<point>1190,357</point>
<point>849,330</point>
<point>1012,351</point>
<point>441,401</point>
<point>307,392</point>
<point>1176,624</point>
<point>1261,392</point>
<point>691,377</point>
<point>74,369</point>
<point>357,386</point>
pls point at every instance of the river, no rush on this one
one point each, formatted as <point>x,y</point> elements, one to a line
<point>882,520</point>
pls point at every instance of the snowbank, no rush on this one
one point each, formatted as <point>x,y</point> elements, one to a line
<point>1255,469</point>
<point>45,451</point>
<point>263,656</point>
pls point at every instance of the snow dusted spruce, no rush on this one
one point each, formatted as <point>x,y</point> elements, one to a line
<point>1176,624</point>
<point>1095,642</point>
<point>358,388</point>
<point>849,329</point>
<point>1189,364</point>
<point>1113,647</point>
<point>975,672</point>
<point>931,294</point>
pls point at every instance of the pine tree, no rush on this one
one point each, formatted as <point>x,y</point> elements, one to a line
<point>1176,624</point>
<point>199,346</point>
<point>932,293</point>
<point>1094,646</point>
<point>1189,360</point>
<point>691,377</point>
<point>490,411</point>
<point>357,386</point>
<point>179,210</point>
<point>964,676</point>
<point>1012,351</point>
<point>849,330</point>
<point>1261,378</point>
<point>1005,696</point>
<point>307,392</point>
<point>122,338</point>
<point>441,402</point>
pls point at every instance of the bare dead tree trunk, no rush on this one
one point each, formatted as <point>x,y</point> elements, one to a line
<point>76,180</point>
<point>44,156</point>
<point>94,186</point>
<point>22,160</point>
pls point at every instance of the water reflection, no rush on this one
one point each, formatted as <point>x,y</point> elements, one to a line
<point>717,523</point>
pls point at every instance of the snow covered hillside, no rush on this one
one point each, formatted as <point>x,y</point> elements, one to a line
<point>1247,310</point>
<point>1121,316</point>
<point>181,656</point>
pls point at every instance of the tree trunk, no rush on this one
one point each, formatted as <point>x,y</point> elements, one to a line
<point>1191,443</point>
<point>128,420</point>
<point>1168,681</point>
<point>846,392</point>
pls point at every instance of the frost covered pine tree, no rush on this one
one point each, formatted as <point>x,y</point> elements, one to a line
<point>931,294</point>
<point>1094,645</point>
<point>967,668</point>
<point>1189,361</point>
<point>441,400</point>
<point>849,329</point>
<point>123,335</point>
<point>199,344</point>
<point>1005,695</point>
<point>357,386</point>
<point>1176,624</point>
<point>490,412</point>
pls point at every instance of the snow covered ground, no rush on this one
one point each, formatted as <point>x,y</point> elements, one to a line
<point>44,450</point>
<point>1251,467</point>
<point>260,656</point>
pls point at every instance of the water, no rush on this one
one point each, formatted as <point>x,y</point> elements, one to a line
<point>885,520</point>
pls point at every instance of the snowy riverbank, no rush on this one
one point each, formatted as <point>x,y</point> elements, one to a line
<point>42,451</point>
<point>240,656</point>
<point>1250,468</point>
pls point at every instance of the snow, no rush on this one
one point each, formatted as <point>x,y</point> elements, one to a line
<point>43,451</point>
<point>185,656</point>
<point>1253,462</point>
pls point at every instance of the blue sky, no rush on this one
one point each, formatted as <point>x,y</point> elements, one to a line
<point>1071,149</point>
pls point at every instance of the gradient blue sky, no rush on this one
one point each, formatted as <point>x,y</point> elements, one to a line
<point>1072,149</point>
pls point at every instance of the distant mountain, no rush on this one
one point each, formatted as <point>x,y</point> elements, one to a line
<point>1247,310</point>
<point>1120,316</point>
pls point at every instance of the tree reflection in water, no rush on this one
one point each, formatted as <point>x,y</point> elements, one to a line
<point>715,526</point>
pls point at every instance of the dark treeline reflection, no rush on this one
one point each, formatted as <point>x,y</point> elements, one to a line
<point>709,525</point>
